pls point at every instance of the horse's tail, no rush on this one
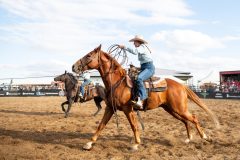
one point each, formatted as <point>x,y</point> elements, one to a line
<point>196,99</point>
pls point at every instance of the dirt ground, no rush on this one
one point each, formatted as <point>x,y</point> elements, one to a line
<point>35,128</point>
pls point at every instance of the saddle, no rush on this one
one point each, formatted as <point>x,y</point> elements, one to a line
<point>153,84</point>
<point>90,91</point>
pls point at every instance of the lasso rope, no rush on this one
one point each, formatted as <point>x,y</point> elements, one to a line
<point>116,52</point>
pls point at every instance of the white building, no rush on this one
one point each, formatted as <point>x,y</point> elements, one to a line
<point>179,76</point>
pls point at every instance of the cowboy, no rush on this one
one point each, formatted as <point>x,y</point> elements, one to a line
<point>86,81</point>
<point>147,67</point>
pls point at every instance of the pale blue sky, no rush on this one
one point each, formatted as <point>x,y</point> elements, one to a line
<point>40,38</point>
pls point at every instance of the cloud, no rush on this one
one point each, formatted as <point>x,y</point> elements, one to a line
<point>231,38</point>
<point>64,10</point>
<point>198,66</point>
<point>37,68</point>
<point>187,41</point>
<point>72,26</point>
<point>67,26</point>
<point>193,51</point>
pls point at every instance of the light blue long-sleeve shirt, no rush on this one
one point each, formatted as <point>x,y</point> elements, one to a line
<point>143,53</point>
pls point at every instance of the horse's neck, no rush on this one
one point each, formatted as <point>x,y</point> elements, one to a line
<point>69,85</point>
<point>108,72</point>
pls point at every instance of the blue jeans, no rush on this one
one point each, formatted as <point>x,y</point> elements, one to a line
<point>85,82</point>
<point>147,71</point>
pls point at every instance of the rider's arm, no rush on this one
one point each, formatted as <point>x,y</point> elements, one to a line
<point>131,51</point>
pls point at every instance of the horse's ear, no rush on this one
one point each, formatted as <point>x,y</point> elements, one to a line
<point>98,48</point>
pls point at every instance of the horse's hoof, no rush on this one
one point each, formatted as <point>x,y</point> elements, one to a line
<point>187,140</point>
<point>205,136</point>
<point>88,146</point>
<point>208,139</point>
<point>134,147</point>
<point>65,116</point>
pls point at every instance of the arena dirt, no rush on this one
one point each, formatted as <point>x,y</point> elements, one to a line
<point>35,128</point>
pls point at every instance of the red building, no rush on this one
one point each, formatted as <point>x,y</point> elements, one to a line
<point>230,81</point>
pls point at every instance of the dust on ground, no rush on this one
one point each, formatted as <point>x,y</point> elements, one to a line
<point>35,128</point>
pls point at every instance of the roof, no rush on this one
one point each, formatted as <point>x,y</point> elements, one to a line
<point>229,72</point>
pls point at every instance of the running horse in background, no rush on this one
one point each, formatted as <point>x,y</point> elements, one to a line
<point>72,92</point>
<point>173,100</point>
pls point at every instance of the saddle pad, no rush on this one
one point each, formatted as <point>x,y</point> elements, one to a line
<point>152,79</point>
<point>156,84</point>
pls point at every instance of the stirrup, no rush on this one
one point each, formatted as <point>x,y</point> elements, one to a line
<point>137,105</point>
<point>81,99</point>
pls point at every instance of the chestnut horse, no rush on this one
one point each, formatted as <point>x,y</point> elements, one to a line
<point>174,99</point>
<point>72,92</point>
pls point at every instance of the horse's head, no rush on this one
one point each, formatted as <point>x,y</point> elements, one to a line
<point>61,77</point>
<point>89,61</point>
<point>66,77</point>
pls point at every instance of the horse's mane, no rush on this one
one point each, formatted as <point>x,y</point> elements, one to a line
<point>117,65</point>
<point>72,77</point>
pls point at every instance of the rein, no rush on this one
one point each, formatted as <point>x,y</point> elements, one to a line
<point>112,89</point>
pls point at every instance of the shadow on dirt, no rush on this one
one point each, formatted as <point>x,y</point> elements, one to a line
<point>51,137</point>
<point>29,113</point>
<point>70,139</point>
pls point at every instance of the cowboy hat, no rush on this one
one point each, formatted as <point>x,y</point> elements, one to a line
<point>138,38</point>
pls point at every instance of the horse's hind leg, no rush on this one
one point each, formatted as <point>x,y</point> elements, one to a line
<point>63,109</point>
<point>106,117</point>
<point>170,111</point>
<point>97,101</point>
<point>187,115</point>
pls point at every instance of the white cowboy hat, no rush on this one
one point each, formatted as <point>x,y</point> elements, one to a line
<point>138,38</point>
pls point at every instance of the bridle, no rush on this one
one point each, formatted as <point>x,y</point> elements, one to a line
<point>84,63</point>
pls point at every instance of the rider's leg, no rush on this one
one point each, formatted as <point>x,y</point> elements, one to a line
<point>147,71</point>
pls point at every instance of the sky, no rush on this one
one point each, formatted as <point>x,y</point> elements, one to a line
<point>44,38</point>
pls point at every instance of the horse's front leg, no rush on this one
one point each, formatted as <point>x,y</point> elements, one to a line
<point>69,107</point>
<point>106,117</point>
<point>133,122</point>
<point>63,109</point>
